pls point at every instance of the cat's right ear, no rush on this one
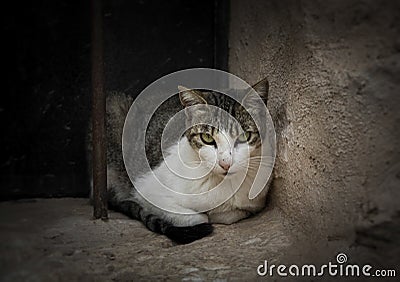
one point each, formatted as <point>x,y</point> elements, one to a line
<point>190,97</point>
<point>261,89</point>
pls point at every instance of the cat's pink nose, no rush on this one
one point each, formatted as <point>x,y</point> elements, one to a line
<point>224,165</point>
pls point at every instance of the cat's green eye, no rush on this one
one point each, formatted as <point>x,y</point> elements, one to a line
<point>245,137</point>
<point>207,138</point>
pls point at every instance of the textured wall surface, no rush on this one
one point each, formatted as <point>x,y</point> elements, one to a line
<point>334,72</point>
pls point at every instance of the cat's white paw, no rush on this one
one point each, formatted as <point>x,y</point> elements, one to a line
<point>189,219</point>
<point>228,217</point>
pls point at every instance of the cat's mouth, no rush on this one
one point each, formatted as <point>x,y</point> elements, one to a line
<point>228,173</point>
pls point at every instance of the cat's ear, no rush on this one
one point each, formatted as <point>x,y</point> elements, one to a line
<point>262,88</point>
<point>190,97</point>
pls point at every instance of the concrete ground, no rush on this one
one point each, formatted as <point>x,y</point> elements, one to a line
<point>56,240</point>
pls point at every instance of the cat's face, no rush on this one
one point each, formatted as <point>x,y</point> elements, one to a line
<point>224,146</point>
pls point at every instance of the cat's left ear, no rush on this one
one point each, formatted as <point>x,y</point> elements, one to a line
<point>190,97</point>
<point>262,88</point>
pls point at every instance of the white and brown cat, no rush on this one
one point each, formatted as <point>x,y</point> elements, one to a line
<point>224,150</point>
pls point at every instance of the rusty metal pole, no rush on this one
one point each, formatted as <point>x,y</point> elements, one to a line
<point>98,114</point>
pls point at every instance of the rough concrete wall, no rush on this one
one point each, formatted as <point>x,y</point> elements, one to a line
<point>334,72</point>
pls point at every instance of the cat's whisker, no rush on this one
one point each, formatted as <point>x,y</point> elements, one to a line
<point>261,157</point>
<point>254,164</point>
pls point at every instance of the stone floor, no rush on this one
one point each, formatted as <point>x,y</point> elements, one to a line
<point>56,240</point>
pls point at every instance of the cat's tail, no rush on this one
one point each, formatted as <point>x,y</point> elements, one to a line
<point>155,223</point>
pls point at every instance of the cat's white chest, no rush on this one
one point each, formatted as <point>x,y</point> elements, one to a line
<point>221,194</point>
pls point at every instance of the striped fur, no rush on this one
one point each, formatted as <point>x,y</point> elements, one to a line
<point>181,228</point>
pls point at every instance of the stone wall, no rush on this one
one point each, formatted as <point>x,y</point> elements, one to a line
<point>334,72</point>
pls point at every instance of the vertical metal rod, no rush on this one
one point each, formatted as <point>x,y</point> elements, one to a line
<point>98,114</point>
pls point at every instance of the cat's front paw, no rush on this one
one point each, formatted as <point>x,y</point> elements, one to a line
<point>228,217</point>
<point>190,219</point>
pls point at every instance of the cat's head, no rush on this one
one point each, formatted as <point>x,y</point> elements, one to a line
<point>224,145</point>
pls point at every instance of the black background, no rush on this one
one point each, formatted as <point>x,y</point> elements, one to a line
<point>45,103</point>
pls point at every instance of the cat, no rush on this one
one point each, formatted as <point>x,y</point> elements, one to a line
<point>199,142</point>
